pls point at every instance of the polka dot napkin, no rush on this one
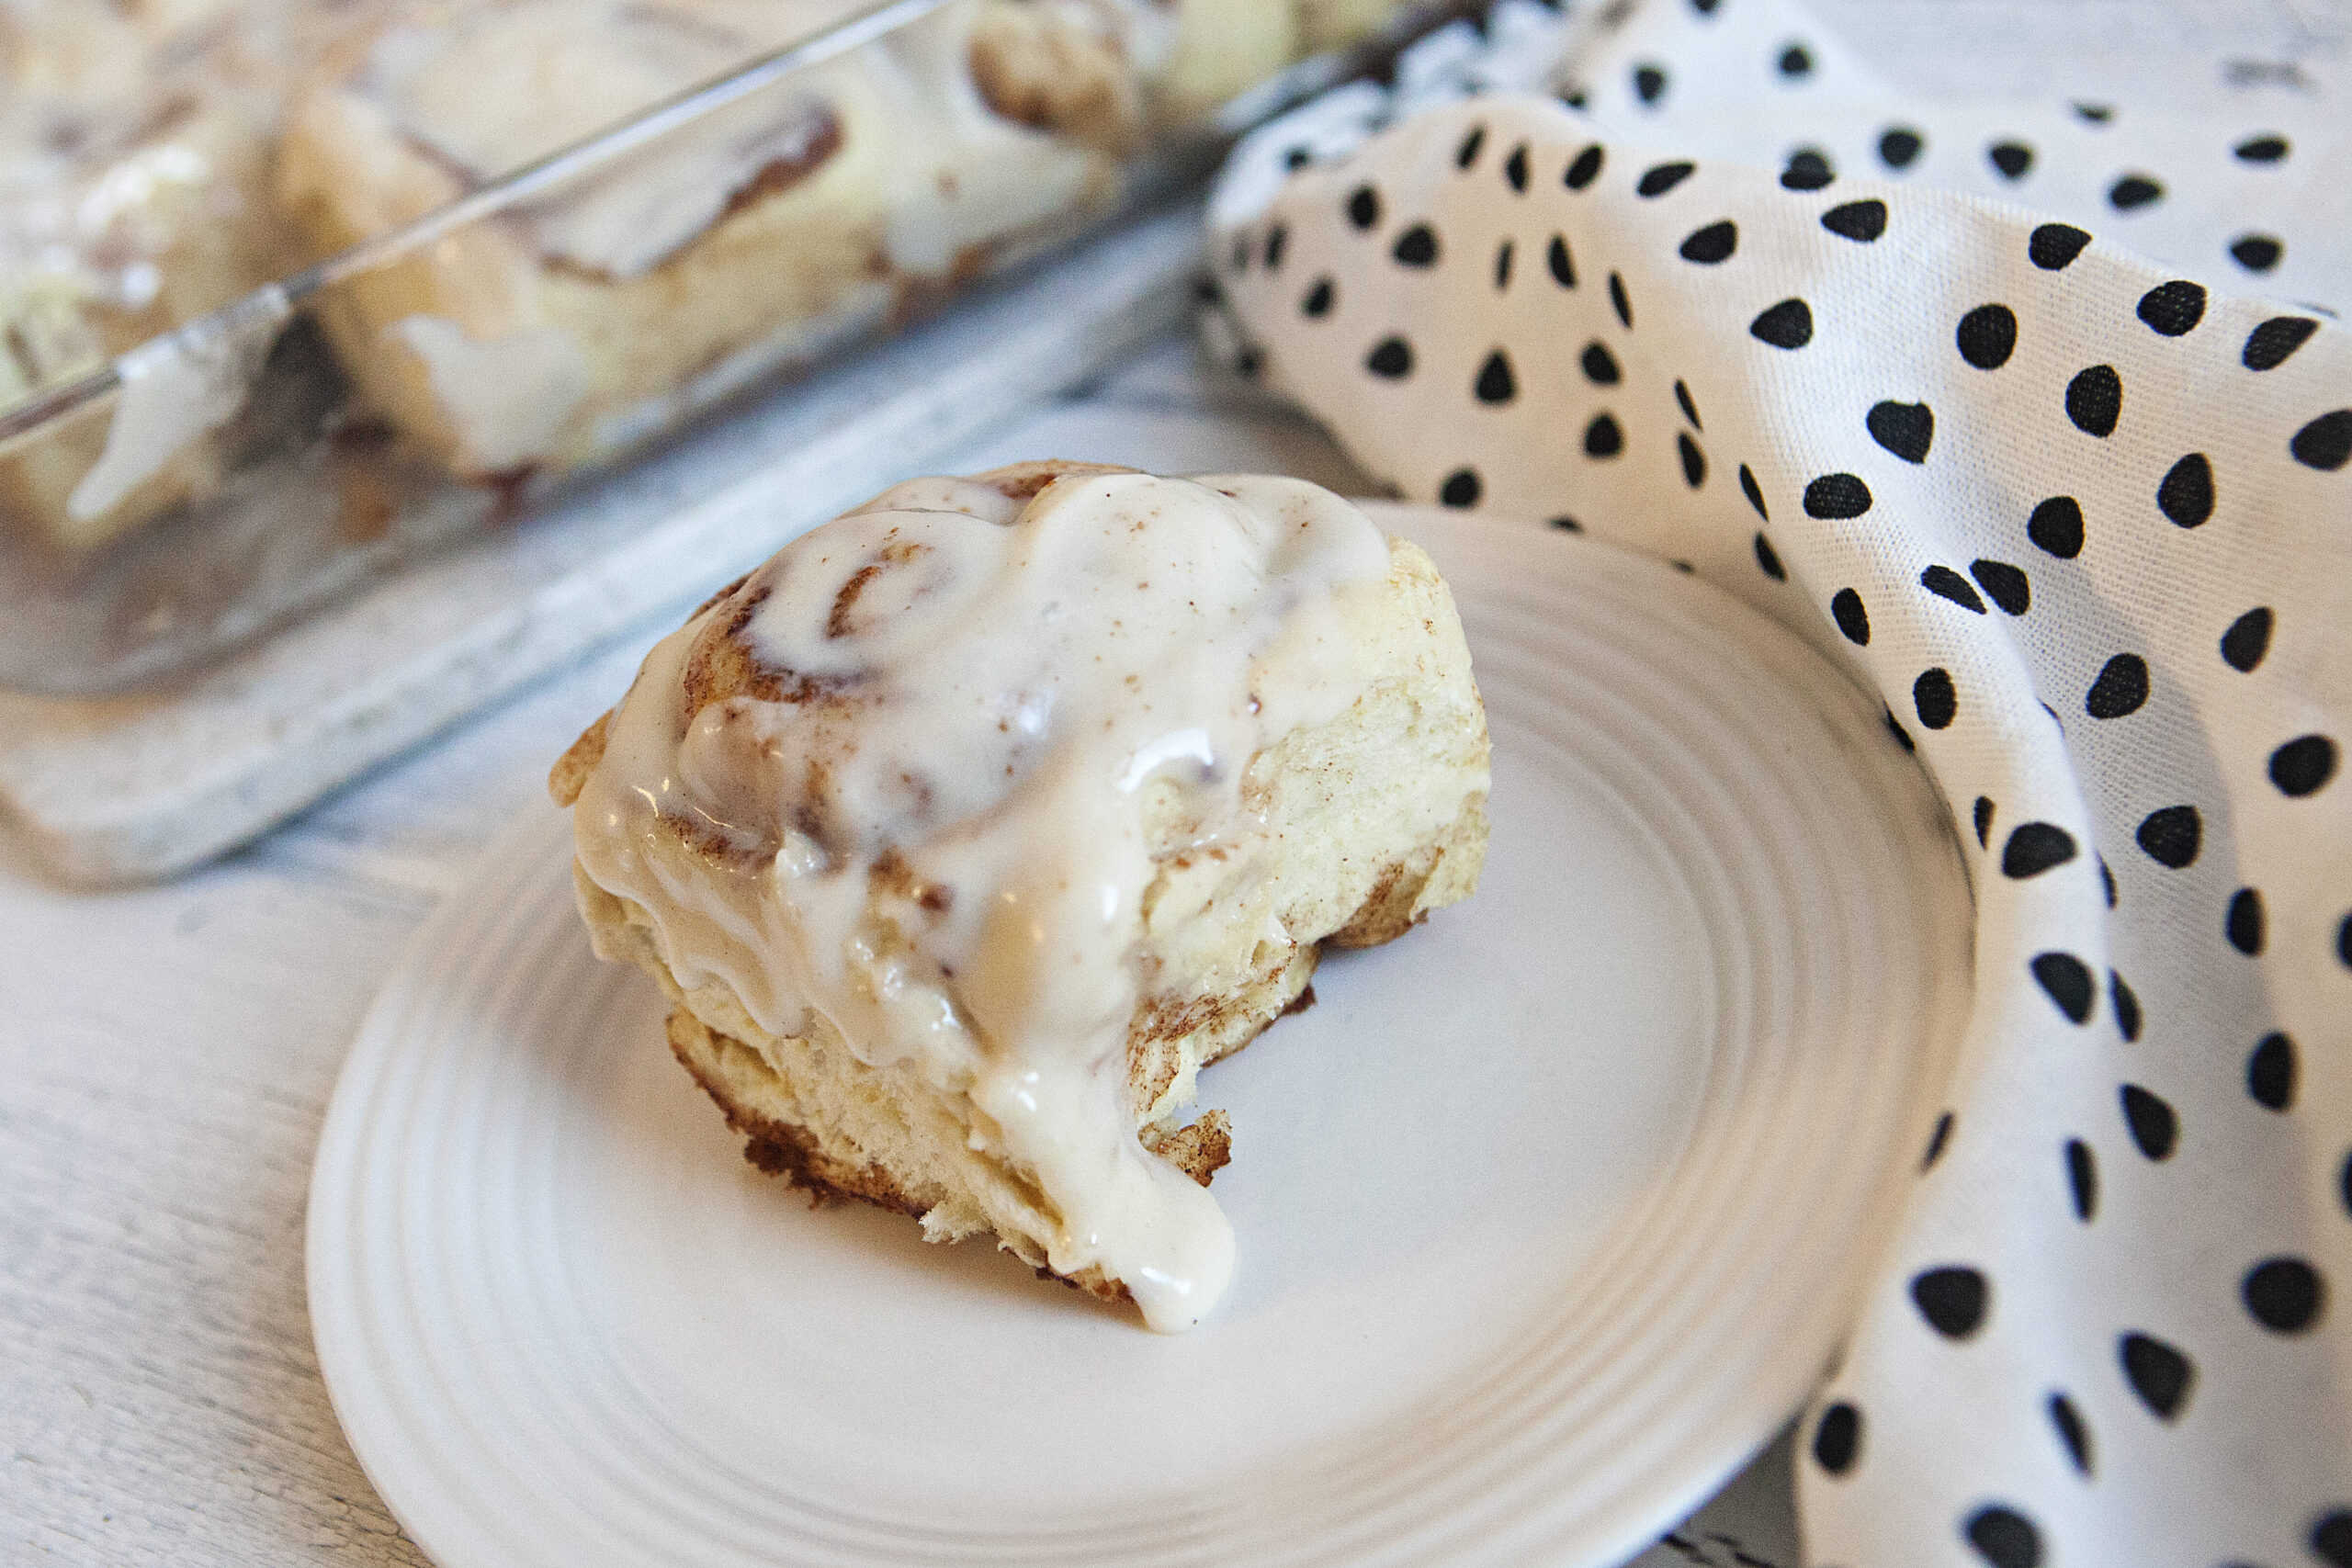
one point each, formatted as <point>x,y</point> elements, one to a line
<point>1907,375</point>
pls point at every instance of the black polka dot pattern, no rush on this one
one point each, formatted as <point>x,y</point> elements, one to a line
<point>1853,618</point>
<point>1837,497</point>
<point>2331,1538</point>
<point>1987,337</point>
<point>2053,246</point>
<point>1694,461</point>
<point>1934,698</point>
<point>2245,925</point>
<point>1860,222</point>
<point>1807,169</point>
<point>2126,1003</point>
<point>2274,343</point>
<point>2121,688</point>
<point>2154,1125</point>
<point>2283,1294</point>
<point>1559,263</point>
<point>2007,585</point>
<point>2158,1372</point>
<point>1907,430</point>
<point>2248,639</point>
<point>1712,245</point>
<point>1935,1142</point>
<point>2034,847</point>
<point>1495,384</point>
<point>2081,1179</point>
<point>2256,252</point>
<point>2173,309</point>
<point>2303,765</point>
<point>2067,982</point>
<point>2186,496</point>
<point>1838,1439</point>
<point>1945,584</point>
<point>1391,358</point>
<point>2325,442</point>
<point>2072,1432</point>
<point>2056,526</point>
<point>2171,836</point>
<point>1660,178</point>
<point>1788,324</point>
<point>1953,1299</point>
<point>2009,472</point>
<point>2003,1537</point>
<point>2270,1072</point>
<point>2095,400</point>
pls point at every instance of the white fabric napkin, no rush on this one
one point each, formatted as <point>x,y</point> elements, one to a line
<point>1907,375</point>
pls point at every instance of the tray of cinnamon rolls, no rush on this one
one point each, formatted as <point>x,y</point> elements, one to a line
<point>293,290</point>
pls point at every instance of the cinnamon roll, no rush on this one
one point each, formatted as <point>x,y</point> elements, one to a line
<point>966,830</point>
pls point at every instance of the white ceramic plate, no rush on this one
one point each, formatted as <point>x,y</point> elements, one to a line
<point>1548,1216</point>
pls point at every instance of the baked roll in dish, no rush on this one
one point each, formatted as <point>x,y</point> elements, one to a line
<point>964,833</point>
<point>544,338</point>
<point>134,149</point>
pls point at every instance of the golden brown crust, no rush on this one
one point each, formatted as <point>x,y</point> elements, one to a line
<point>780,1148</point>
<point>569,774</point>
<point>1034,65</point>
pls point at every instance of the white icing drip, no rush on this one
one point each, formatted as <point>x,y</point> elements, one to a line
<point>942,845</point>
<point>972,174</point>
<point>513,393</point>
<point>176,389</point>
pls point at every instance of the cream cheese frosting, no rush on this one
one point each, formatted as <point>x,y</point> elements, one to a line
<point>503,85</point>
<point>929,816</point>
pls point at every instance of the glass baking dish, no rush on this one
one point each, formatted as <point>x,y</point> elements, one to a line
<point>432,264</point>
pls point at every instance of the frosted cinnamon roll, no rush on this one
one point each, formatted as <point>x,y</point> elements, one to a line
<point>963,834</point>
<point>549,336</point>
<point>134,147</point>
